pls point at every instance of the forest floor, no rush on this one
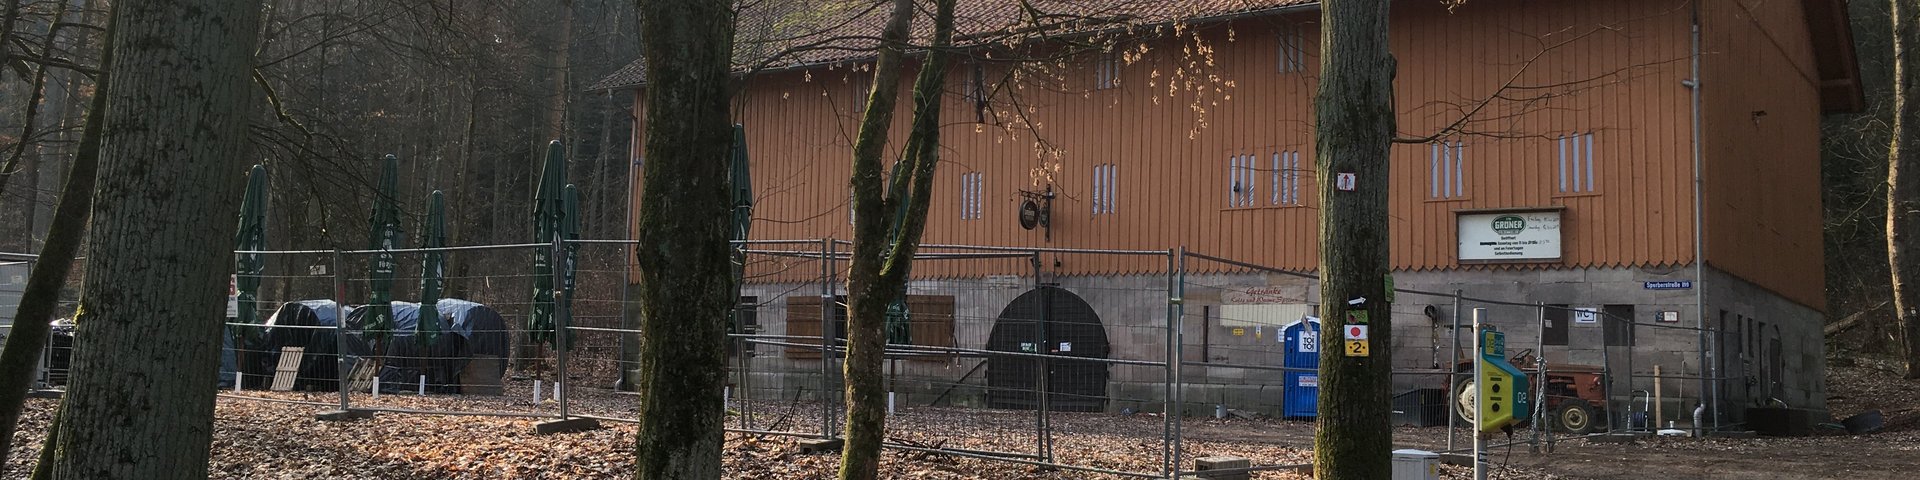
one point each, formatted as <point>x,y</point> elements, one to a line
<point>261,440</point>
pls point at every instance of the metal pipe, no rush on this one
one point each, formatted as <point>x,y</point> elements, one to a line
<point>1540,376</point>
<point>1177,321</point>
<point>1041,436</point>
<point>1606,375</point>
<point>1699,224</point>
<point>826,339</point>
<point>1479,441</point>
<point>920,349</point>
<point>1452,368</point>
<point>560,312</point>
<point>340,329</point>
<point>1169,405</point>
<point>1047,249</point>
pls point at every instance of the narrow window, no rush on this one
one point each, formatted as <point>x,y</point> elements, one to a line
<point>1279,170</point>
<point>1576,162</point>
<point>1291,179</point>
<point>970,187</point>
<point>862,88</point>
<point>1242,181</point>
<point>1293,50</point>
<point>1107,71</point>
<point>1446,170</point>
<point>976,93</point>
<point>1104,178</point>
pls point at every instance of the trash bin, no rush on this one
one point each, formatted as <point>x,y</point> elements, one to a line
<point>1409,464</point>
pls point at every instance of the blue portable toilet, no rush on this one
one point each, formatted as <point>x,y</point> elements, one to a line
<point>1301,395</point>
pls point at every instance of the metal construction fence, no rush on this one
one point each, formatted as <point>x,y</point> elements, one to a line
<point>1076,359</point>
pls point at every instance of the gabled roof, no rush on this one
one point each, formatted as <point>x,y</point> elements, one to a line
<point>815,32</point>
<point>845,30</point>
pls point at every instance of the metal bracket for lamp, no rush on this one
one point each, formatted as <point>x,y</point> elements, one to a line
<point>1036,210</point>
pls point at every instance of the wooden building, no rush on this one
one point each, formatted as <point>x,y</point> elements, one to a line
<point>1597,151</point>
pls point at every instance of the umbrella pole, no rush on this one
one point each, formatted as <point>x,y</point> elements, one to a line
<point>560,313</point>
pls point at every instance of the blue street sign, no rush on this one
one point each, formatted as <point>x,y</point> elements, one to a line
<point>1670,285</point>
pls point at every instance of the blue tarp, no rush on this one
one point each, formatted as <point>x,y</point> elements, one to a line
<point>477,331</point>
<point>291,326</point>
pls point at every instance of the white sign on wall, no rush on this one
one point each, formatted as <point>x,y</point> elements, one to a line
<point>1509,236</point>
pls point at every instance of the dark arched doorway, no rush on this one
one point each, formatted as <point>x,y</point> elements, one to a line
<point>1054,321</point>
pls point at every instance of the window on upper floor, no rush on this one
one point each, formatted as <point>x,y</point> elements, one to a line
<point>1266,178</point>
<point>1105,176</point>
<point>862,82</point>
<point>1293,48</point>
<point>1106,71</point>
<point>1576,163</point>
<point>1446,170</point>
<point>1286,178</point>
<point>974,90</point>
<point>1243,179</point>
<point>971,185</point>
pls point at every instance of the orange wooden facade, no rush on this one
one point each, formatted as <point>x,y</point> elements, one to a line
<point>1611,70</point>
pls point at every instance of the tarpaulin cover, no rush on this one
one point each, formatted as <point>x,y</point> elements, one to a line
<point>477,331</point>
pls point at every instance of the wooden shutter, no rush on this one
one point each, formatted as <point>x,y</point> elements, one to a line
<point>932,320</point>
<point>803,320</point>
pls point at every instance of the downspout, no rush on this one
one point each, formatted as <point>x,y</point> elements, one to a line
<point>1699,225</point>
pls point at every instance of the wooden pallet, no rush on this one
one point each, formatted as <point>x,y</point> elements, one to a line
<point>361,377</point>
<point>289,368</point>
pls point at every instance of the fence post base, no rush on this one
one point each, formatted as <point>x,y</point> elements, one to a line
<point>565,425</point>
<point>809,446</point>
<point>343,415</point>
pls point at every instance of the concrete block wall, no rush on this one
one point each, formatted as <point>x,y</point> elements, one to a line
<point>1133,311</point>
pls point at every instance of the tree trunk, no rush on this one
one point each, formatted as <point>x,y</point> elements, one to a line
<point>1354,111</point>
<point>1903,180</point>
<point>867,295</point>
<point>8,18</point>
<point>42,296</point>
<point>890,217</point>
<point>687,284</point>
<point>140,401</point>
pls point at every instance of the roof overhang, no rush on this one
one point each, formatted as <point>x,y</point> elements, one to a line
<point>1831,31</point>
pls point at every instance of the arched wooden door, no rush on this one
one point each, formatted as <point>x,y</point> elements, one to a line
<point>1054,321</point>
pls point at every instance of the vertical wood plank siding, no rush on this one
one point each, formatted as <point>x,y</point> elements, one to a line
<point>1761,93</point>
<point>1624,61</point>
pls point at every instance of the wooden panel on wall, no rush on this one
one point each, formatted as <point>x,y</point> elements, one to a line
<point>803,320</point>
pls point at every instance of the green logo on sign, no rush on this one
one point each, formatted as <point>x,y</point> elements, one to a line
<point>1509,225</point>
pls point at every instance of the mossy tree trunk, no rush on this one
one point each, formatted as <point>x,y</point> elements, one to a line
<point>1903,180</point>
<point>890,213</point>
<point>140,401</point>
<point>42,296</point>
<point>1354,111</point>
<point>685,262</point>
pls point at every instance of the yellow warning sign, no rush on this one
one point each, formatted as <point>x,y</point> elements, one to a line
<point>1358,348</point>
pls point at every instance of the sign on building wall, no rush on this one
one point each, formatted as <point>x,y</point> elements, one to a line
<point>1509,236</point>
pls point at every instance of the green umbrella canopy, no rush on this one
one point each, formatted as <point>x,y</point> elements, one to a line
<point>432,269</point>
<point>548,214</point>
<point>383,235</point>
<point>740,181</point>
<point>252,236</point>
